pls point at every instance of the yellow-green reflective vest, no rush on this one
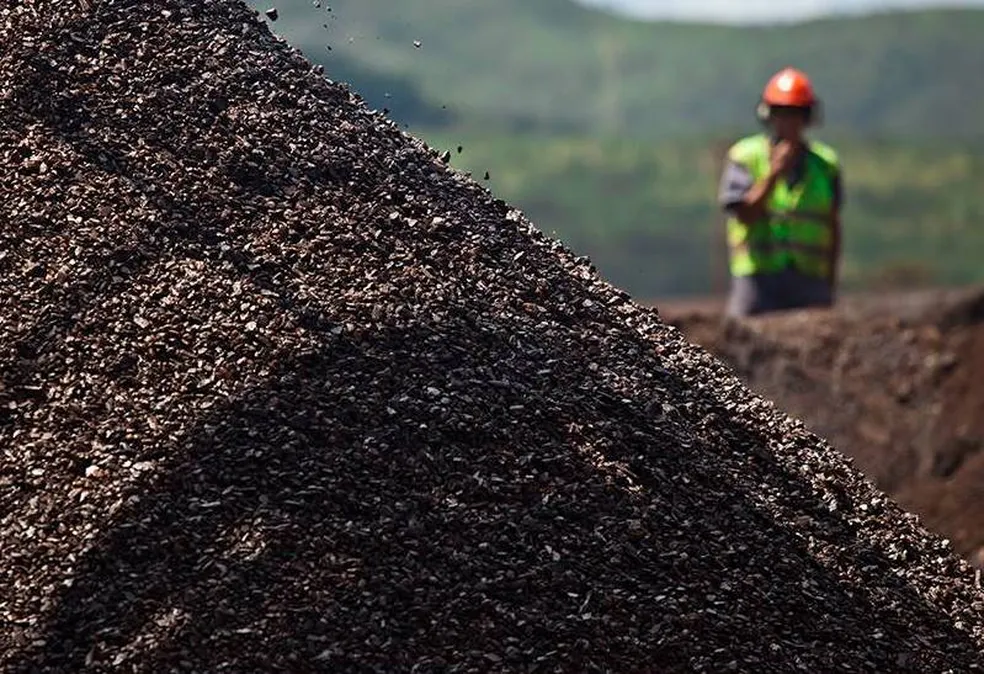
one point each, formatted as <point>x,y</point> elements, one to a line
<point>797,229</point>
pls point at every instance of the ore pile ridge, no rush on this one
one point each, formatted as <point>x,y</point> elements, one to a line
<point>281,391</point>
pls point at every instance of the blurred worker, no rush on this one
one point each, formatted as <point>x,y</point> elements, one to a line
<point>783,196</point>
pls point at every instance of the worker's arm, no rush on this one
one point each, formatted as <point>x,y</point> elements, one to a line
<point>751,208</point>
<point>736,185</point>
<point>746,198</point>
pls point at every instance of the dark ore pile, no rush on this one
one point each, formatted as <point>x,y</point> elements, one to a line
<point>281,391</point>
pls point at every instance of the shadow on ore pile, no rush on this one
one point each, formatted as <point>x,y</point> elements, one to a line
<point>334,518</point>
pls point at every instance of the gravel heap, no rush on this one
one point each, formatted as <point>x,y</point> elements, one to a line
<point>280,390</point>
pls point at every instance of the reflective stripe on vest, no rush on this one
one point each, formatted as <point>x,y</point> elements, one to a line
<point>797,228</point>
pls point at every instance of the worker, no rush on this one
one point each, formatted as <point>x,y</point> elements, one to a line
<point>783,197</point>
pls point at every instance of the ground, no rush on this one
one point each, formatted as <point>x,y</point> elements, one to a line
<point>892,379</point>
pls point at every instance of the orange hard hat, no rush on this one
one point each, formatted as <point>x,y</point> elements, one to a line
<point>789,88</point>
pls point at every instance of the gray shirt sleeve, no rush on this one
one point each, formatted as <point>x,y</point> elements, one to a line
<point>736,180</point>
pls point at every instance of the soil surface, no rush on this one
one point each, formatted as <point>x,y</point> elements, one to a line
<point>895,380</point>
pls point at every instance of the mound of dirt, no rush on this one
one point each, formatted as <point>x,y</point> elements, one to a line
<point>891,379</point>
<point>283,392</point>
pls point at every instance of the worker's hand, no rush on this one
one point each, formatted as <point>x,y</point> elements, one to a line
<point>782,157</point>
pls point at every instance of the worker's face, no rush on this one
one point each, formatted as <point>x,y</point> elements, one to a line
<point>788,123</point>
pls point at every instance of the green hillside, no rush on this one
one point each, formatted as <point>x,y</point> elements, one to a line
<point>554,64</point>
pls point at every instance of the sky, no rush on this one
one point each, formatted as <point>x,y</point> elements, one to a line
<point>758,11</point>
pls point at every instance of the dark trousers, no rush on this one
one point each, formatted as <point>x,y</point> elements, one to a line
<point>780,291</point>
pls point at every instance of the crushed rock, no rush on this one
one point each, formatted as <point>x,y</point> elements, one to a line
<point>282,391</point>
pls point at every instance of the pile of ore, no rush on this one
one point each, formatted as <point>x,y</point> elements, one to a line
<point>280,391</point>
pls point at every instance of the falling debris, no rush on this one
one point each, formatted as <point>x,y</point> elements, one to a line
<point>416,43</point>
<point>371,418</point>
<point>487,176</point>
<point>272,13</point>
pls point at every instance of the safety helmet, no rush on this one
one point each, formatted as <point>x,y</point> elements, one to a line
<point>789,88</point>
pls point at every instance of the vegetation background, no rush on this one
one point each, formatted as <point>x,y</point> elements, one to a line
<point>609,132</point>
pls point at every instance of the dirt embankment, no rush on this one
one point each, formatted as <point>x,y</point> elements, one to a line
<point>895,381</point>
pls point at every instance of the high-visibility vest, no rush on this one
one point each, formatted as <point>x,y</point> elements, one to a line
<point>797,229</point>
